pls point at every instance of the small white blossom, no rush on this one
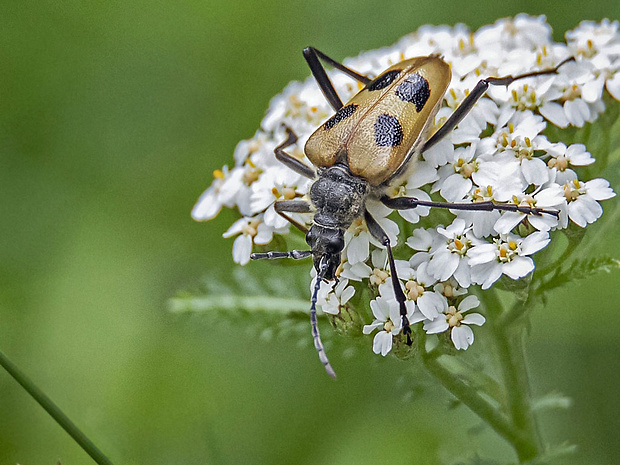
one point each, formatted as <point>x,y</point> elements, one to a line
<point>507,255</point>
<point>461,334</point>
<point>582,201</point>
<point>387,316</point>
<point>331,298</point>
<point>249,231</point>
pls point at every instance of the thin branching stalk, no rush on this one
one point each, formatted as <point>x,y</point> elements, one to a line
<point>511,356</point>
<point>54,411</point>
<point>479,405</point>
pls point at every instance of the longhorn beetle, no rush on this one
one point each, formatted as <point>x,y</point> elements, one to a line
<point>367,145</point>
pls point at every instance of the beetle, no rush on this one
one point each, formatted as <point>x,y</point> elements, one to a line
<point>370,143</point>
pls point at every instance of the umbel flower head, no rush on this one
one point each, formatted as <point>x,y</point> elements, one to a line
<point>499,152</point>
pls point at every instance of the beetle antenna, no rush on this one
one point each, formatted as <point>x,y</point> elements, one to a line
<point>316,336</point>
<point>296,254</point>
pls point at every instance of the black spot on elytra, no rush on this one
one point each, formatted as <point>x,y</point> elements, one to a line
<point>414,90</point>
<point>384,80</point>
<point>341,114</point>
<point>388,131</point>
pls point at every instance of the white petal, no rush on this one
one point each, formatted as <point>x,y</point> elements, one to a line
<point>371,327</point>
<point>431,304</point>
<point>439,325</point>
<point>346,295</point>
<point>578,156</point>
<point>264,234</point>
<point>462,337</point>
<point>358,248</point>
<point>535,171</point>
<point>236,227</point>
<point>613,86</point>
<point>482,253</point>
<point>554,112</point>
<point>599,189</point>
<point>421,239</point>
<point>507,222</point>
<point>486,274</point>
<point>584,210</point>
<point>382,343</point>
<point>424,173</point>
<point>242,247</point>
<point>207,206</point>
<point>380,309</point>
<point>455,188</point>
<point>443,264</point>
<point>534,242</point>
<point>474,319</point>
<point>518,267</point>
<point>577,112</point>
<point>469,302</point>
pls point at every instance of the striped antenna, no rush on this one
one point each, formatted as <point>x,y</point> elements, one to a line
<point>316,336</point>
<point>296,254</point>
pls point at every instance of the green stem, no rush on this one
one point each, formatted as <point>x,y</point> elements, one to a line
<point>511,355</point>
<point>55,412</point>
<point>470,397</point>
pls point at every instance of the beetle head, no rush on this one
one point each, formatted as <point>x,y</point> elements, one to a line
<point>326,245</point>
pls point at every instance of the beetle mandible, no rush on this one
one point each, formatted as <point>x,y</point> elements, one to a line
<point>366,146</point>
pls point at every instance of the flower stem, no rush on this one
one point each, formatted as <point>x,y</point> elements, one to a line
<point>55,412</point>
<point>478,404</point>
<point>511,355</point>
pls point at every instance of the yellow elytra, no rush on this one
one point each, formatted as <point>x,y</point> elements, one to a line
<point>379,130</point>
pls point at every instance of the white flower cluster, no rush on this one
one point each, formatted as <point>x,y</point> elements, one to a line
<point>497,153</point>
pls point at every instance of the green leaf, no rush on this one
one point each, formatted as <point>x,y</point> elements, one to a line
<point>580,269</point>
<point>552,400</point>
<point>478,460</point>
<point>552,453</point>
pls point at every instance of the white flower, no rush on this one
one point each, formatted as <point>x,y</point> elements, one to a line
<point>418,289</point>
<point>251,231</point>
<point>450,258</point>
<point>387,316</point>
<point>549,198</point>
<point>582,201</point>
<point>279,183</point>
<point>222,192</point>
<point>331,299</point>
<point>600,44</point>
<point>461,334</point>
<point>507,255</point>
<point>562,158</point>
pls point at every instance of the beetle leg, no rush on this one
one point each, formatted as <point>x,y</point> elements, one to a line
<point>313,57</point>
<point>378,233</point>
<point>293,206</point>
<point>406,203</point>
<point>478,91</point>
<point>290,161</point>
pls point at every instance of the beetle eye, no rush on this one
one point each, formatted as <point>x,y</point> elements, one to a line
<point>335,245</point>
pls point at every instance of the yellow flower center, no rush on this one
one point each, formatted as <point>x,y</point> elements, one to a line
<point>454,317</point>
<point>414,290</point>
<point>378,276</point>
<point>560,163</point>
<point>251,228</point>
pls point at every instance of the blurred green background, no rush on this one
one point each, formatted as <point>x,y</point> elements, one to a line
<point>113,116</point>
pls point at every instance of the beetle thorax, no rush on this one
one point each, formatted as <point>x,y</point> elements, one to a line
<point>339,197</point>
